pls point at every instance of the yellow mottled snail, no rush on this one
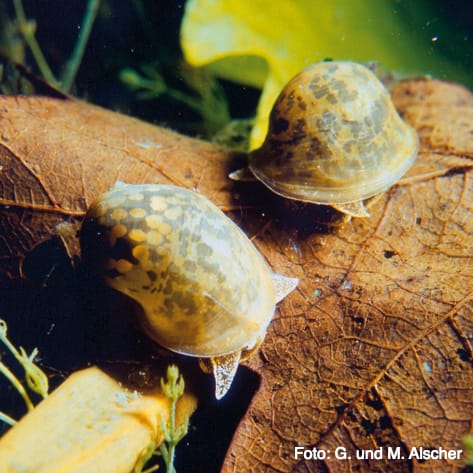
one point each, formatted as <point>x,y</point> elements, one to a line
<point>334,139</point>
<point>204,288</point>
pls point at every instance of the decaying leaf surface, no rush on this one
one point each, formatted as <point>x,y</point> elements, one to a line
<point>57,156</point>
<point>373,349</point>
<point>376,348</point>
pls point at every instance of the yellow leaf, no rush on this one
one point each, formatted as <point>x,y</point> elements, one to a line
<point>264,43</point>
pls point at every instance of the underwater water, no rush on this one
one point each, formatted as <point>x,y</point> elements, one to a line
<point>136,47</point>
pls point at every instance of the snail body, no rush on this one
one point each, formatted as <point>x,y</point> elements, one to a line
<point>204,288</point>
<point>334,139</point>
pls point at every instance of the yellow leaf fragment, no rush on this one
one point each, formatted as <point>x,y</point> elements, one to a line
<point>91,423</point>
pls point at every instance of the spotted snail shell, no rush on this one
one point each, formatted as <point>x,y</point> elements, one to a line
<point>334,138</point>
<point>204,288</point>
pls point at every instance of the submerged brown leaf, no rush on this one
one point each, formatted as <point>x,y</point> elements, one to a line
<point>57,156</point>
<point>374,349</point>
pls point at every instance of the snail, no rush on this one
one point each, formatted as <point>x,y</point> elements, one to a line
<point>334,139</point>
<point>204,288</point>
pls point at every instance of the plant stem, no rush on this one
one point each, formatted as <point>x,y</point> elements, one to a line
<point>77,54</point>
<point>7,343</point>
<point>36,379</point>
<point>191,102</point>
<point>7,419</point>
<point>27,30</point>
<point>173,443</point>
<point>18,386</point>
<point>170,464</point>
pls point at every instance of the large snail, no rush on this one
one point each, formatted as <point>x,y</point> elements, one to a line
<point>204,288</point>
<point>334,138</point>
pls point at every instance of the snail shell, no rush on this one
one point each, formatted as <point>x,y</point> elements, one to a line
<point>334,138</point>
<point>204,288</point>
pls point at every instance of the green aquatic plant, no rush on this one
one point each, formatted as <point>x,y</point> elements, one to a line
<point>199,91</point>
<point>27,29</point>
<point>173,388</point>
<point>36,379</point>
<point>165,75</point>
<point>154,69</point>
<point>264,43</point>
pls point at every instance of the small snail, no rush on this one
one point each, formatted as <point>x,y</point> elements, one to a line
<point>334,138</point>
<point>204,288</point>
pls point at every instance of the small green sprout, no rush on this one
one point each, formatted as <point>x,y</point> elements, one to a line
<point>201,92</point>
<point>173,389</point>
<point>36,379</point>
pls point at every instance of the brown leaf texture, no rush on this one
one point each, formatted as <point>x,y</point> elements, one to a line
<point>375,346</point>
<point>57,156</point>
